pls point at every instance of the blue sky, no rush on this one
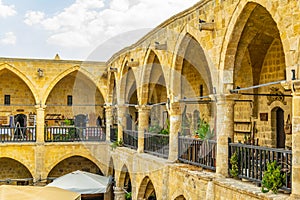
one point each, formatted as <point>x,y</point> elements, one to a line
<point>78,29</point>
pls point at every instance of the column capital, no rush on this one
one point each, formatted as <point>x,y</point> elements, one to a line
<point>40,106</point>
<point>225,97</point>
<point>143,107</point>
<point>174,108</point>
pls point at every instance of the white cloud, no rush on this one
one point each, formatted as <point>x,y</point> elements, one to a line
<point>87,22</point>
<point>33,17</point>
<point>9,38</point>
<point>7,10</point>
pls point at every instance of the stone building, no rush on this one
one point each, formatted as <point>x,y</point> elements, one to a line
<point>233,64</point>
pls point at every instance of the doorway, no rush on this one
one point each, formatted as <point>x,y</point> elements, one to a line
<point>278,125</point>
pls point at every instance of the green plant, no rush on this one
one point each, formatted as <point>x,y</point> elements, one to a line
<point>204,131</point>
<point>154,129</point>
<point>116,144</point>
<point>128,196</point>
<point>273,178</point>
<point>234,171</point>
<point>166,130</point>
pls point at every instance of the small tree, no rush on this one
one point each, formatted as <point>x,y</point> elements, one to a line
<point>234,171</point>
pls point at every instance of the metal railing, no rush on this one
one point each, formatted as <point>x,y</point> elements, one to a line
<point>71,134</point>
<point>197,152</point>
<point>156,144</point>
<point>130,139</point>
<point>253,160</point>
<point>18,134</point>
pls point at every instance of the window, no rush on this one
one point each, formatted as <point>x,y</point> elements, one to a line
<point>6,99</point>
<point>70,100</point>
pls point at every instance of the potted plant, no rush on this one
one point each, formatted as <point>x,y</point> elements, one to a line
<point>116,144</point>
<point>273,178</point>
<point>204,132</point>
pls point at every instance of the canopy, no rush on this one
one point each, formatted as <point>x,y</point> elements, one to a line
<point>13,192</point>
<point>83,182</point>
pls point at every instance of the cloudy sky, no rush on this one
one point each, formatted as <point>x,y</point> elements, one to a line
<point>77,29</point>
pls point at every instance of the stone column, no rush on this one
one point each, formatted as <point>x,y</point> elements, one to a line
<point>119,193</point>
<point>143,124</point>
<point>225,125</point>
<point>122,110</point>
<point>39,150</point>
<point>295,142</point>
<point>108,121</point>
<point>175,122</point>
<point>40,123</point>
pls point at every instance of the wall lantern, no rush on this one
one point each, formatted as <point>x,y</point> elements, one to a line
<point>293,74</point>
<point>206,26</point>
<point>40,72</point>
<point>159,46</point>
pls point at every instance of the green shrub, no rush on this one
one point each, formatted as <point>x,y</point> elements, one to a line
<point>273,178</point>
<point>234,171</point>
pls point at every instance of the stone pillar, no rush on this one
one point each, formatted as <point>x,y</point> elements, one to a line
<point>119,193</point>
<point>295,142</point>
<point>40,123</point>
<point>39,150</point>
<point>175,122</point>
<point>143,124</point>
<point>108,121</point>
<point>122,110</point>
<point>225,125</point>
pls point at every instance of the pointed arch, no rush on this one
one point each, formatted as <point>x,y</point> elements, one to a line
<point>66,73</point>
<point>23,77</point>
<point>146,189</point>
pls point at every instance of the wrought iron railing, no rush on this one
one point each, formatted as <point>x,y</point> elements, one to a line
<point>130,139</point>
<point>197,152</point>
<point>18,134</point>
<point>156,144</point>
<point>253,160</point>
<point>71,134</point>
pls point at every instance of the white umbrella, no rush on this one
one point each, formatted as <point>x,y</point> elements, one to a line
<point>83,182</point>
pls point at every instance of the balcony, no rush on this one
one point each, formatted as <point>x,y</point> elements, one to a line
<point>157,144</point>
<point>18,134</point>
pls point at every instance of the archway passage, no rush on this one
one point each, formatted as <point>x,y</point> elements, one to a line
<point>256,57</point>
<point>125,180</point>
<point>14,172</point>
<point>74,163</point>
<point>147,190</point>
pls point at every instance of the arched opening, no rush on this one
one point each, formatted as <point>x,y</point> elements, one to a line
<point>75,102</point>
<point>71,164</point>
<point>73,95</point>
<point>14,172</point>
<point>111,172</point>
<point>278,126</point>
<point>256,57</point>
<point>181,197</point>
<point>147,190</point>
<point>125,181</point>
<point>16,99</point>
<point>192,76</point>
<point>156,93</point>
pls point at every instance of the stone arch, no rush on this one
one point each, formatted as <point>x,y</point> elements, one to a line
<point>124,179</point>
<point>111,167</point>
<point>186,46</point>
<point>74,163</point>
<point>14,169</point>
<point>99,165</point>
<point>181,197</point>
<point>146,189</point>
<point>23,77</point>
<point>149,81</point>
<point>67,72</point>
<point>229,53</point>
